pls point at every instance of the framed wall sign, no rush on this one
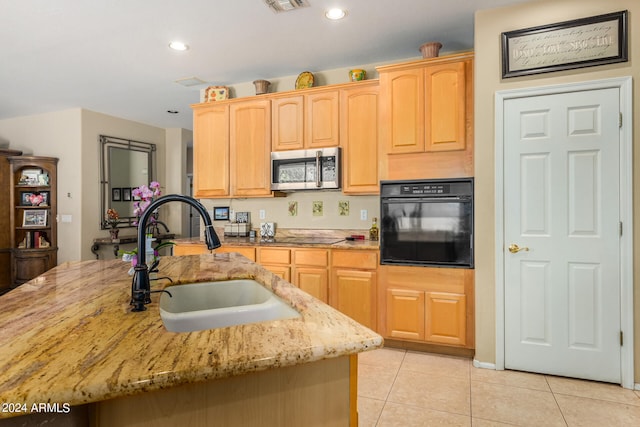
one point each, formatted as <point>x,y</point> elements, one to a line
<point>221,213</point>
<point>586,42</point>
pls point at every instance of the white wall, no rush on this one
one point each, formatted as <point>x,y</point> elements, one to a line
<point>177,141</point>
<point>93,125</point>
<point>489,24</point>
<point>58,135</point>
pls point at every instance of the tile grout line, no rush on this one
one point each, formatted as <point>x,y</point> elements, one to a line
<point>546,380</point>
<point>386,399</point>
<point>470,367</point>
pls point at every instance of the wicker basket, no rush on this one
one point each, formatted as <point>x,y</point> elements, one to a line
<point>430,50</point>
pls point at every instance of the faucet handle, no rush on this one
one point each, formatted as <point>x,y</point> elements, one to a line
<point>161,291</point>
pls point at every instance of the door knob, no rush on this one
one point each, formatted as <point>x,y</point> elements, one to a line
<point>513,248</point>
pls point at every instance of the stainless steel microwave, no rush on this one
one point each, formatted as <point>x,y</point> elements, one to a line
<point>317,169</point>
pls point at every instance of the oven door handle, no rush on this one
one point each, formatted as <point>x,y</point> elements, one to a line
<point>427,199</point>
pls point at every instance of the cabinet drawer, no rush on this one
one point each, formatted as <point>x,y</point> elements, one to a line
<point>274,256</point>
<point>355,259</point>
<point>190,249</point>
<point>247,251</point>
<point>312,257</point>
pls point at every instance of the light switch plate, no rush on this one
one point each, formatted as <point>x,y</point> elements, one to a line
<point>363,214</point>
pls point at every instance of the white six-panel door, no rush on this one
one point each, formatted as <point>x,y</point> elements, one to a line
<point>562,222</point>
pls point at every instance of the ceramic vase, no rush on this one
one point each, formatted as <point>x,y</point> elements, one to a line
<point>357,75</point>
<point>114,233</point>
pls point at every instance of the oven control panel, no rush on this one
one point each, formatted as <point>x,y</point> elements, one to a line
<point>429,188</point>
<point>425,189</point>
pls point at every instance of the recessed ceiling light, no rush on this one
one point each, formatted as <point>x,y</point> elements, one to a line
<point>176,45</point>
<point>335,14</point>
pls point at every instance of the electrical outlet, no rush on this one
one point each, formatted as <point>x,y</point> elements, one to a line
<point>363,214</point>
<point>263,214</point>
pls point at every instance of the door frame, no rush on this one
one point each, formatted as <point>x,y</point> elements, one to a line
<point>625,86</point>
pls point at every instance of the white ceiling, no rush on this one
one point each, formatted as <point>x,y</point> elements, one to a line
<point>112,56</point>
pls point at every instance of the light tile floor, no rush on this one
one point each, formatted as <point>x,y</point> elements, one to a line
<point>405,388</point>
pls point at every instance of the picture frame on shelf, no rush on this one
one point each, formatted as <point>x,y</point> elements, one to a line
<point>29,176</point>
<point>25,198</point>
<point>34,218</point>
<point>43,179</point>
<point>29,198</point>
<point>221,213</point>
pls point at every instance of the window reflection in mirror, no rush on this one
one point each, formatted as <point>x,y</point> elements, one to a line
<point>125,165</point>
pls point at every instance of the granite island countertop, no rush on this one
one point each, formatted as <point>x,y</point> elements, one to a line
<point>69,336</point>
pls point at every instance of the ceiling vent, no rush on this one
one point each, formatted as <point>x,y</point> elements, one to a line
<point>286,5</point>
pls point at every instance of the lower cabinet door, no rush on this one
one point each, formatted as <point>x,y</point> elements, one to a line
<point>280,271</point>
<point>446,318</point>
<point>314,281</point>
<point>405,314</point>
<point>355,295</point>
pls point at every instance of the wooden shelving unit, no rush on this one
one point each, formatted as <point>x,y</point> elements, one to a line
<point>5,218</point>
<point>34,238</point>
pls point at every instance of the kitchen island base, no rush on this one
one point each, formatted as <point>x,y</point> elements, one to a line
<point>320,393</point>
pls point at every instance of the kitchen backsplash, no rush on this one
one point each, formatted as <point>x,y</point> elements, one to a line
<point>305,210</point>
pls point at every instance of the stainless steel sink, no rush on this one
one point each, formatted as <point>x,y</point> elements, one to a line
<point>209,305</point>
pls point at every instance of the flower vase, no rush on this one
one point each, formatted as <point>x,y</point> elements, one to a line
<point>149,255</point>
<point>114,233</point>
<point>148,249</point>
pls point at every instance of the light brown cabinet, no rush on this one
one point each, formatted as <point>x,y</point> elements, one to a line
<point>201,248</point>
<point>276,260</point>
<point>306,121</point>
<point>359,138</point>
<point>247,251</point>
<point>311,272</point>
<point>287,123</point>
<point>431,305</point>
<point>354,284</point>
<point>426,118</point>
<point>34,238</point>
<point>211,150</point>
<point>219,165</point>
<point>405,314</point>
<point>190,249</point>
<point>250,131</point>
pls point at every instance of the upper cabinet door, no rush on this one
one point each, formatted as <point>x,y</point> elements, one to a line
<point>445,87</point>
<point>402,117</point>
<point>321,119</point>
<point>251,152</point>
<point>359,139</point>
<point>211,151</point>
<point>288,123</point>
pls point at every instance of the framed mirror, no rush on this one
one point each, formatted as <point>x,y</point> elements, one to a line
<point>124,165</point>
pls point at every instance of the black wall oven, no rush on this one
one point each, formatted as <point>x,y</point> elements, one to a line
<point>427,222</point>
